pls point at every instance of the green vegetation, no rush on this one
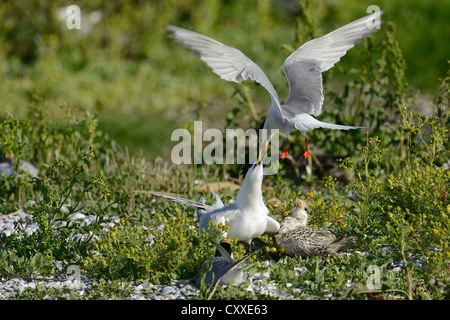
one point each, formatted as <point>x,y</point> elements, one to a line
<point>65,92</point>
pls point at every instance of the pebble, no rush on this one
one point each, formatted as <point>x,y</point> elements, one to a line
<point>30,229</point>
<point>7,168</point>
<point>77,216</point>
<point>298,270</point>
<point>168,290</point>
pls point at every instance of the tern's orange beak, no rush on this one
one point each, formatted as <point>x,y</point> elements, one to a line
<point>259,157</point>
<point>262,153</point>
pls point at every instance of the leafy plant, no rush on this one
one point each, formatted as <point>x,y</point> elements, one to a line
<point>168,249</point>
<point>54,226</point>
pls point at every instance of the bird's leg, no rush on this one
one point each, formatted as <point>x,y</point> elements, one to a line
<point>285,153</point>
<point>249,247</point>
<point>306,154</point>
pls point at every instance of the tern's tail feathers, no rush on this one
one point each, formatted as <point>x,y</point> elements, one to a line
<point>339,126</point>
<point>321,124</point>
<point>306,122</point>
<point>194,204</point>
<point>223,251</point>
<point>342,244</point>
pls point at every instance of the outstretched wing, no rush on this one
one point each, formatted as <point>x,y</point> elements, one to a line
<point>227,62</point>
<point>304,67</point>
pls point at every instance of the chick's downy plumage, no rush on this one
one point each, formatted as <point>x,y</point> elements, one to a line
<point>297,239</point>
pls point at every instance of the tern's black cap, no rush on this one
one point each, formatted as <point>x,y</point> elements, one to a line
<point>247,167</point>
<point>226,246</point>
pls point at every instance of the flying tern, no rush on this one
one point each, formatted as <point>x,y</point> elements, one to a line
<point>303,69</point>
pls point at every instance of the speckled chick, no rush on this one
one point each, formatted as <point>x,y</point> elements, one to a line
<point>297,239</point>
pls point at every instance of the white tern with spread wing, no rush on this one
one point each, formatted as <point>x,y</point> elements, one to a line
<point>303,69</point>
